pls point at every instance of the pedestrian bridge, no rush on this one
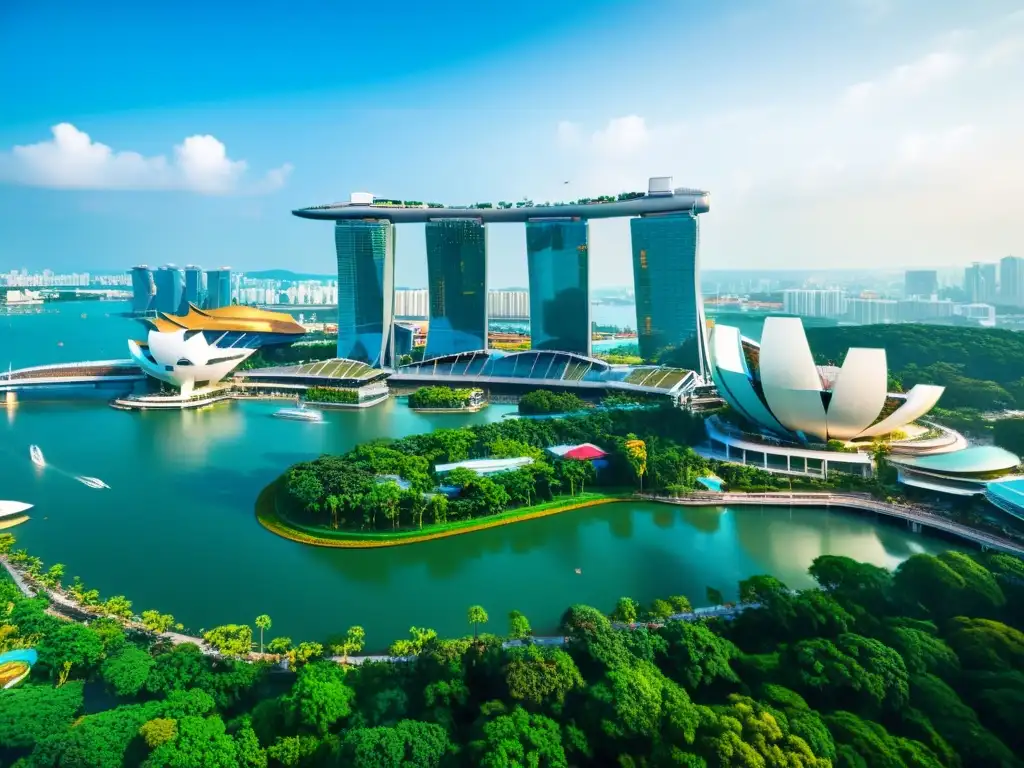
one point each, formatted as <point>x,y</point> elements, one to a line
<point>87,375</point>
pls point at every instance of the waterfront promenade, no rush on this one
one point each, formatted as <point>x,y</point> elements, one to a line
<point>916,516</point>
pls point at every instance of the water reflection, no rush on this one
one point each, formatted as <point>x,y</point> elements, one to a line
<point>180,518</point>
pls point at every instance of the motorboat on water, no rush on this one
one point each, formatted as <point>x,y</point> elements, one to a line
<point>92,482</point>
<point>37,455</point>
<point>299,414</point>
<point>10,508</point>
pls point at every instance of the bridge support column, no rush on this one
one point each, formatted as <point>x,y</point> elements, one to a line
<point>10,398</point>
<point>914,527</point>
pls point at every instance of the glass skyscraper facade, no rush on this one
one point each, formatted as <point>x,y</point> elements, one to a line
<point>666,280</point>
<point>143,290</point>
<point>170,290</point>
<point>557,258</point>
<point>457,278</point>
<point>366,289</point>
<point>195,286</point>
<point>218,288</point>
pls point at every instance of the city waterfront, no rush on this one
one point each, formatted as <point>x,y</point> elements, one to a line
<point>177,530</point>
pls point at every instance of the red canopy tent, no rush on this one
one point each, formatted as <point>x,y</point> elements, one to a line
<point>585,452</point>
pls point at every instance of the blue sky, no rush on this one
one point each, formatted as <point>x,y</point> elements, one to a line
<point>872,133</point>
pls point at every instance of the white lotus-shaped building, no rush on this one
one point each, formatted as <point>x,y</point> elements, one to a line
<point>198,349</point>
<point>777,386</point>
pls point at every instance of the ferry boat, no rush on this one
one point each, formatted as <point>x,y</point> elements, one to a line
<point>299,414</point>
<point>37,456</point>
<point>92,482</point>
<point>10,508</point>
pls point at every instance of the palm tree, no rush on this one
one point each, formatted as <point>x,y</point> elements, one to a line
<point>262,622</point>
<point>477,616</point>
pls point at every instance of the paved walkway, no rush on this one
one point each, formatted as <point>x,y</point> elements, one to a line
<point>920,515</point>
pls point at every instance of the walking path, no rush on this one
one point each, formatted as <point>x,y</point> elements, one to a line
<point>914,514</point>
<point>66,607</point>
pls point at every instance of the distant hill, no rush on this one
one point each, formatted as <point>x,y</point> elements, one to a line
<point>286,274</point>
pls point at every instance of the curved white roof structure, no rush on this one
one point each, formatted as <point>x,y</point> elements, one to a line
<point>789,395</point>
<point>199,349</point>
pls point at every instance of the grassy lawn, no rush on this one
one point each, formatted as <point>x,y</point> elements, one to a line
<point>270,517</point>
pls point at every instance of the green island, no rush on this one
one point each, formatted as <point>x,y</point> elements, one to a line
<point>922,667</point>
<point>385,493</point>
<point>544,401</point>
<point>445,399</point>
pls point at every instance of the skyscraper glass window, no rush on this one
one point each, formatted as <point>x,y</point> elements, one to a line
<point>143,290</point>
<point>666,278</point>
<point>457,276</point>
<point>1011,281</point>
<point>170,290</point>
<point>195,286</point>
<point>558,261</point>
<point>218,288</point>
<point>923,283</point>
<point>366,289</point>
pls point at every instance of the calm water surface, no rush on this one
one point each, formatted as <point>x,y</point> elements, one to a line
<point>177,531</point>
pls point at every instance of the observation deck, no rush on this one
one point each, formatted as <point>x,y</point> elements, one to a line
<point>660,199</point>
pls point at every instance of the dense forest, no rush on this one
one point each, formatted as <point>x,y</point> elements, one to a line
<point>648,449</point>
<point>544,401</point>
<point>921,668</point>
<point>981,368</point>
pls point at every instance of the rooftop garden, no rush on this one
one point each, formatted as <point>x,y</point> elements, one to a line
<point>381,202</point>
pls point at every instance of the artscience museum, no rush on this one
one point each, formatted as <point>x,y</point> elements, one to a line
<point>789,414</point>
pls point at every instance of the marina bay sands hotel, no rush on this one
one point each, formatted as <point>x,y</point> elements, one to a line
<point>666,272</point>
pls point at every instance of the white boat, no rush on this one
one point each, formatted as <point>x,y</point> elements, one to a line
<point>299,414</point>
<point>9,508</point>
<point>92,482</point>
<point>37,456</point>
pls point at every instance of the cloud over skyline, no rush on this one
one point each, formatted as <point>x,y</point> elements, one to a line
<point>72,160</point>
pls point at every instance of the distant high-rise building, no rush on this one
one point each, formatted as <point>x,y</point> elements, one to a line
<point>366,289</point>
<point>143,290</point>
<point>411,302</point>
<point>170,290</point>
<point>872,311</point>
<point>666,278</point>
<point>457,275</point>
<point>195,286</point>
<point>980,283</point>
<point>218,288</point>
<point>812,302</point>
<point>923,310</point>
<point>1011,281</point>
<point>923,283</point>
<point>558,265</point>
<point>508,304</point>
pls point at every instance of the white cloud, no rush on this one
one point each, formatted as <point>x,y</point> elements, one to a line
<point>905,79</point>
<point>72,160</point>
<point>621,136</point>
<point>930,148</point>
<point>924,172</point>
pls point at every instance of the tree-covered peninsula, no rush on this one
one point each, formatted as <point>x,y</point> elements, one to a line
<point>920,668</point>
<point>391,486</point>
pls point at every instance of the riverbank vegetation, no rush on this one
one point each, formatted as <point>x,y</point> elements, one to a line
<point>331,395</point>
<point>544,401</point>
<point>440,398</point>
<point>918,668</point>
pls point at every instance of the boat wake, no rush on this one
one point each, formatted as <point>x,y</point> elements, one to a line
<point>36,454</point>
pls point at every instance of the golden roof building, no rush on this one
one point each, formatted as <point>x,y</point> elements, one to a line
<point>198,349</point>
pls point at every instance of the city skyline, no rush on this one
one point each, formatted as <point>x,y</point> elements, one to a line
<point>907,106</point>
